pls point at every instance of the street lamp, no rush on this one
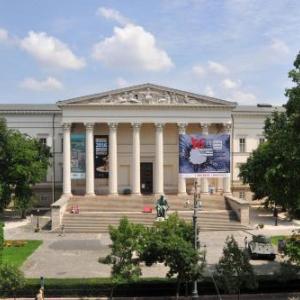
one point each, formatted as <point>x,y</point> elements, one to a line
<point>197,204</point>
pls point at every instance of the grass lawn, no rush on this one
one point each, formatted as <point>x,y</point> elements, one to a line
<point>18,254</point>
<point>276,238</point>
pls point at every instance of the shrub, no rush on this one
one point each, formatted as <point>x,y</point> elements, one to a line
<point>11,279</point>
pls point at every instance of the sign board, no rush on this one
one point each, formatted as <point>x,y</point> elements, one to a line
<point>77,156</point>
<point>101,156</point>
<point>204,155</point>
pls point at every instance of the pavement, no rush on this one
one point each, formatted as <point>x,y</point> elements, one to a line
<point>76,255</point>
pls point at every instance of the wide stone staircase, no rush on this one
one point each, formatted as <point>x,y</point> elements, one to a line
<point>97,213</point>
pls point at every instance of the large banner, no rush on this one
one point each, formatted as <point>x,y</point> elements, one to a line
<point>204,155</point>
<point>78,156</point>
<point>101,156</point>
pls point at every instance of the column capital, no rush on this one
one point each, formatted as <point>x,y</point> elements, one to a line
<point>136,125</point>
<point>89,126</point>
<point>67,126</point>
<point>112,125</point>
<point>159,126</point>
<point>182,127</point>
<point>227,127</point>
<point>204,128</point>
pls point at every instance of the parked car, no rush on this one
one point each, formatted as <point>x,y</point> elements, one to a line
<point>261,248</point>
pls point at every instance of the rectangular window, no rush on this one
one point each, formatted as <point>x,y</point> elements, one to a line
<point>242,195</point>
<point>261,140</point>
<point>43,141</point>
<point>242,145</point>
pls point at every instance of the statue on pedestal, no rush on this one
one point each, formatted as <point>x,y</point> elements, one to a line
<point>162,207</point>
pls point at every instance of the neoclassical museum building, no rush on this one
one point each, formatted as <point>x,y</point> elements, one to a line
<point>125,141</point>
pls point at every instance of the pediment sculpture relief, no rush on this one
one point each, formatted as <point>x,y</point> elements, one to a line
<point>148,96</point>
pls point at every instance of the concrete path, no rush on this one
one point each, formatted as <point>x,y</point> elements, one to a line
<point>76,255</point>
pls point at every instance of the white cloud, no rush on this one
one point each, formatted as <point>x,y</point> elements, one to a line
<point>132,47</point>
<point>244,97</point>
<point>217,68</point>
<point>48,84</point>
<point>51,51</point>
<point>3,35</point>
<point>121,82</point>
<point>112,14</point>
<point>209,91</point>
<point>229,83</point>
<point>199,71</point>
<point>280,47</point>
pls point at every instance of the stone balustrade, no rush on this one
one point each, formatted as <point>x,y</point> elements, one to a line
<point>58,209</point>
<point>241,207</point>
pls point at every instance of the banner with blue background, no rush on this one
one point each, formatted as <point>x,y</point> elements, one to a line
<point>204,155</point>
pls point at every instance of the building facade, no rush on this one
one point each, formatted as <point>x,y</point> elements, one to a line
<point>126,140</point>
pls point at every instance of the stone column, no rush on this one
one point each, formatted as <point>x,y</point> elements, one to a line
<point>227,180</point>
<point>89,185</point>
<point>181,179</point>
<point>204,181</point>
<point>136,160</point>
<point>159,159</point>
<point>220,185</point>
<point>113,160</point>
<point>67,159</point>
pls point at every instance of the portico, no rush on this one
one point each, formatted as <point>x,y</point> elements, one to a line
<point>142,124</point>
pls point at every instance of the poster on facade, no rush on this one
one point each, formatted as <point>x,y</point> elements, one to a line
<point>77,156</point>
<point>204,155</point>
<point>101,156</point>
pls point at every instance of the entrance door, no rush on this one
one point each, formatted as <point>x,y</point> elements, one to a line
<point>146,178</point>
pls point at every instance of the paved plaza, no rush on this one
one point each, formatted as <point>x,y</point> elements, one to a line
<point>76,255</point>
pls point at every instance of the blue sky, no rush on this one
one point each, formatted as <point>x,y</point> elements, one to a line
<point>239,50</point>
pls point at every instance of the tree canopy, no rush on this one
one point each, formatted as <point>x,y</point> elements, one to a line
<point>23,162</point>
<point>234,270</point>
<point>272,170</point>
<point>169,242</point>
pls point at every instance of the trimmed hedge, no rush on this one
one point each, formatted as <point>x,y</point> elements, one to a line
<point>98,287</point>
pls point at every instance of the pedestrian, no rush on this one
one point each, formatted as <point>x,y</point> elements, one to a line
<point>246,242</point>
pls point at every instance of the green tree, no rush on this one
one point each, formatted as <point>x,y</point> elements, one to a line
<point>172,242</point>
<point>272,170</point>
<point>1,242</point>
<point>169,242</point>
<point>25,161</point>
<point>126,239</point>
<point>292,249</point>
<point>234,270</point>
<point>11,279</point>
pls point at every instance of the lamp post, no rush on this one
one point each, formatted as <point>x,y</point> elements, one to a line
<point>197,203</point>
<point>37,229</point>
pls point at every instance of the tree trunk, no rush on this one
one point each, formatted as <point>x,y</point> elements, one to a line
<point>111,293</point>
<point>178,289</point>
<point>23,214</point>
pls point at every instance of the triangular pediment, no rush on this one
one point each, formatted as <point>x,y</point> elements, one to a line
<point>146,94</point>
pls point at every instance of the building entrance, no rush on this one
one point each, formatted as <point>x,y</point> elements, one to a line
<point>146,178</point>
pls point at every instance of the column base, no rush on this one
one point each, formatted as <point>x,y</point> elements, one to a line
<point>135,194</point>
<point>227,193</point>
<point>90,195</point>
<point>159,194</point>
<point>67,194</point>
<point>182,194</point>
<point>113,195</point>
